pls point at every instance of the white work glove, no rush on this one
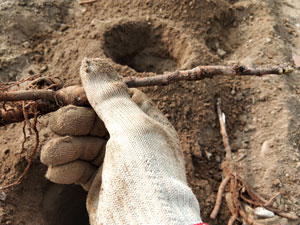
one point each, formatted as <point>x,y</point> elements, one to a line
<point>142,179</point>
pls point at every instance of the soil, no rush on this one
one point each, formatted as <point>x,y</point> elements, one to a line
<point>144,38</point>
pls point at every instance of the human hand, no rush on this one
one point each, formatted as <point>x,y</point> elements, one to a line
<point>142,177</point>
<point>78,152</point>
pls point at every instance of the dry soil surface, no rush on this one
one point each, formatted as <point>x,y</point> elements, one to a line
<point>143,38</point>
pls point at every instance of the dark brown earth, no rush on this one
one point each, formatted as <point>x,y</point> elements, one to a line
<point>144,38</point>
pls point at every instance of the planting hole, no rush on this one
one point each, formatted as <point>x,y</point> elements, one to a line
<point>145,46</point>
<point>65,205</point>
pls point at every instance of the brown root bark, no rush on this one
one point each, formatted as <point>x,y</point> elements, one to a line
<point>221,190</point>
<point>47,95</point>
<point>65,96</point>
<point>198,73</point>
<point>239,190</point>
<point>87,2</point>
<point>49,100</point>
<point>202,72</point>
<point>46,101</point>
<point>15,113</point>
<point>231,207</point>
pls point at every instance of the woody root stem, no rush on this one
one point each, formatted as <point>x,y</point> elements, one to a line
<point>237,190</point>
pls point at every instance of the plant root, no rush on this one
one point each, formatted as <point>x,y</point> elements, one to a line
<point>219,197</point>
<point>49,94</point>
<point>34,150</point>
<point>24,110</point>
<point>87,2</point>
<point>238,190</point>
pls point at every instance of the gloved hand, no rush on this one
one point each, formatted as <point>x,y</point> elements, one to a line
<point>142,178</point>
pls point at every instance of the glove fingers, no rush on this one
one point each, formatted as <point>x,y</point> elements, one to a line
<point>77,121</point>
<point>78,172</point>
<point>66,149</point>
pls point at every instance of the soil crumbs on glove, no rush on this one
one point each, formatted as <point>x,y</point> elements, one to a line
<point>147,37</point>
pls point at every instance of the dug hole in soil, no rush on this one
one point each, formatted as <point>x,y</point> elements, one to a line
<point>144,38</point>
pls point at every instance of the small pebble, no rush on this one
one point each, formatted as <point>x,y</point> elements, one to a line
<point>44,68</point>
<point>208,155</point>
<point>26,44</point>
<point>265,148</point>
<point>276,182</point>
<point>287,175</point>
<point>268,40</point>
<point>64,27</point>
<point>286,207</point>
<point>221,52</point>
<point>2,196</point>
<point>263,213</point>
<point>250,128</point>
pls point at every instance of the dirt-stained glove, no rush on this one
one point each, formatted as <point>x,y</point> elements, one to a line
<point>76,155</point>
<point>142,179</point>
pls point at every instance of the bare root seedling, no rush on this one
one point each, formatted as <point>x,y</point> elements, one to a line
<point>38,95</point>
<point>49,94</point>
